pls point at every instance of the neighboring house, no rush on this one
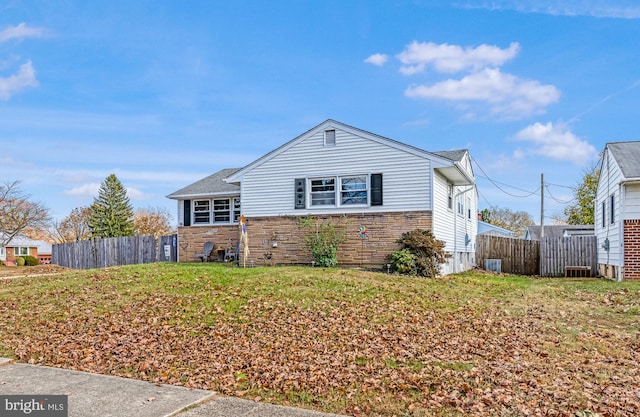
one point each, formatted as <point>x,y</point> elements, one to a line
<point>485,228</point>
<point>559,230</point>
<point>341,174</point>
<point>22,246</point>
<point>617,211</point>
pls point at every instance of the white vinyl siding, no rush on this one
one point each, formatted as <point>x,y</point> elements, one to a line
<point>267,189</point>
<point>608,184</point>
<point>632,202</point>
<point>443,227</point>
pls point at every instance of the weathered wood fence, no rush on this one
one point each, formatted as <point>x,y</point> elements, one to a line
<point>106,252</point>
<point>517,256</point>
<point>547,257</point>
<point>558,254</point>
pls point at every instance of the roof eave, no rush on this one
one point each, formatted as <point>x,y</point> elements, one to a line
<point>203,195</point>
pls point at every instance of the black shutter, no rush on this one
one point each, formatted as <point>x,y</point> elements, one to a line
<point>376,189</point>
<point>300,193</point>
<point>187,212</point>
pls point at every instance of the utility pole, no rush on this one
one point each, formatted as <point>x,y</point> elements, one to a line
<point>541,205</point>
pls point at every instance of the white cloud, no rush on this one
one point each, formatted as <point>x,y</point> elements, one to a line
<point>377,59</point>
<point>91,190</point>
<point>85,190</point>
<point>508,95</point>
<point>617,9</point>
<point>556,142</point>
<point>453,58</point>
<point>25,77</point>
<point>20,32</point>
<point>136,195</point>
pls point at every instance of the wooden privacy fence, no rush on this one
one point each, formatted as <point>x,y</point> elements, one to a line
<point>114,251</point>
<point>573,254</point>
<point>551,256</point>
<point>517,256</point>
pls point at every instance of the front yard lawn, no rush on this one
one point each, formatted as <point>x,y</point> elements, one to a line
<point>342,341</point>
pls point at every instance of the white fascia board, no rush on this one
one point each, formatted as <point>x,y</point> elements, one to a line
<point>191,196</point>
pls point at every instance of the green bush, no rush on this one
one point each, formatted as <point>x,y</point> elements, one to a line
<point>20,261</point>
<point>31,260</point>
<point>323,241</point>
<point>420,254</point>
<point>403,262</point>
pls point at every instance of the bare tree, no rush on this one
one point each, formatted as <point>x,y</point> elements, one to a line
<point>152,221</point>
<point>516,221</point>
<point>18,213</point>
<point>74,227</point>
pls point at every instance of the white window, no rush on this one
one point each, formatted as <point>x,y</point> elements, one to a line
<point>353,190</point>
<point>340,191</point>
<point>201,211</point>
<point>221,211</point>
<point>460,206</point>
<point>323,192</point>
<point>21,251</point>
<point>236,210</point>
<point>450,196</point>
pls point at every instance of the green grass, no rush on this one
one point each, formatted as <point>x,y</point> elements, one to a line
<point>337,340</point>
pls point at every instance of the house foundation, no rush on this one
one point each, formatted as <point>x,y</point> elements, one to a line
<point>278,240</point>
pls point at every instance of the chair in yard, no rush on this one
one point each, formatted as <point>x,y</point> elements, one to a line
<point>205,256</point>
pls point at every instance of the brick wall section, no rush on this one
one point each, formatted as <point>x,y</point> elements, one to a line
<point>280,239</point>
<point>11,256</point>
<point>632,250</point>
<point>191,239</point>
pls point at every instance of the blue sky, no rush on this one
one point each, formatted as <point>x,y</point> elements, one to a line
<point>163,93</point>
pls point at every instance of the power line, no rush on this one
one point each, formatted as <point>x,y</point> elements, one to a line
<point>495,183</point>
<point>558,185</point>
<point>556,199</point>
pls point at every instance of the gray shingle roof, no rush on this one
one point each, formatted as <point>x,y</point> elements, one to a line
<point>627,155</point>
<point>559,230</point>
<point>455,155</point>
<point>211,185</point>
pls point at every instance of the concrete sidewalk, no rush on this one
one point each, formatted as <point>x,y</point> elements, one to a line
<point>92,395</point>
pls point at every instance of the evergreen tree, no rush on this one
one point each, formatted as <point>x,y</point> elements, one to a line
<point>111,212</point>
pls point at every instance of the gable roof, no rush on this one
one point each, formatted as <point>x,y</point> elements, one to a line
<point>627,155</point>
<point>441,160</point>
<point>485,228</point>
<point>214,184</point>
<point>21,240</point>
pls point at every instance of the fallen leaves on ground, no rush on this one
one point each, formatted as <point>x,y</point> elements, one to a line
<point>376,355</point>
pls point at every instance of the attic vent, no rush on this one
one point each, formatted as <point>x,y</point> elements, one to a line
<point>329,138</point>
